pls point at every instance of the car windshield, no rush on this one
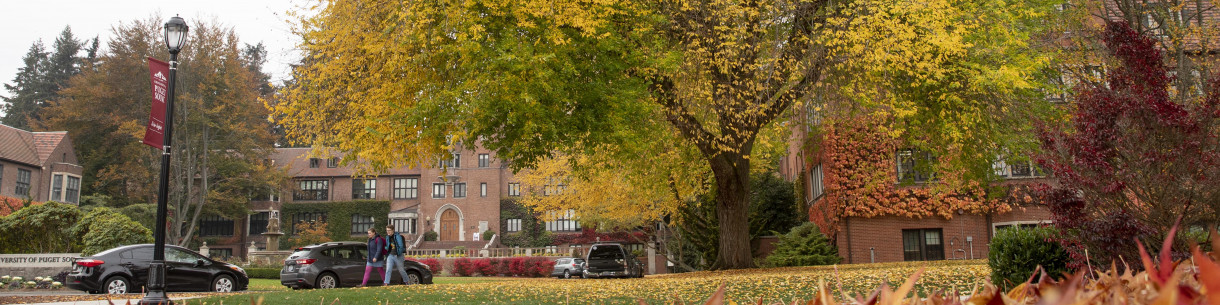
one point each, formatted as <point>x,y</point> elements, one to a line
<point>604,252</point>
<point>299,253</point>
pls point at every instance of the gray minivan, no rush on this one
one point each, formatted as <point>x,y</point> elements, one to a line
<point>339,264</point>
<point>611,260</point>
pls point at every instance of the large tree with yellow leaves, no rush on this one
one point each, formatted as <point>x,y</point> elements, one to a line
<point>399,83</point>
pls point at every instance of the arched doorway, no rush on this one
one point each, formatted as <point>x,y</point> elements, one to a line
<point>449,225</point>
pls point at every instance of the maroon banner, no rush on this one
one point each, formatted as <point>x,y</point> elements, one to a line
<point>155,131</point>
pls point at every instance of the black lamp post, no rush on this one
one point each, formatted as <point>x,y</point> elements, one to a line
<point>175,37</point>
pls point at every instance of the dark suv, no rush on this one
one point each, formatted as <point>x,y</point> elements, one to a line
<point>611,260</point>
<point>339,264</point>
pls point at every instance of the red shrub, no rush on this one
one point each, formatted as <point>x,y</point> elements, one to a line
<point>500,266</point>
<point>485,267</point>
<point>434,265</point>
<point>517,266</point>
<point>463,267</point>
<point>539,267</point>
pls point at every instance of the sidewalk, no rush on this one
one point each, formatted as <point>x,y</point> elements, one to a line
<point>105,302</point>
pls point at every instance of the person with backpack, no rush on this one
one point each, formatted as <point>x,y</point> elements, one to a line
<point>394,246</point>
<point>376,257</point>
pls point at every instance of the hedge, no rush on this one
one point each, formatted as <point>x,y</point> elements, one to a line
<point>338,217</point>
<point>263,273</point>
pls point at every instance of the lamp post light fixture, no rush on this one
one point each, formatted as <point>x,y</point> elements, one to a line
<point>175,38</point>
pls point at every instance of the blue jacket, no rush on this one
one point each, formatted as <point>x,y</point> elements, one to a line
<point>376,246</point>
<point>398,243</point>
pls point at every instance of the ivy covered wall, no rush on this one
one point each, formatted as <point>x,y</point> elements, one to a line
<point>338,217</point>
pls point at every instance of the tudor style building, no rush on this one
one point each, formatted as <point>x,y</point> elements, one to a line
<point>40,166</point>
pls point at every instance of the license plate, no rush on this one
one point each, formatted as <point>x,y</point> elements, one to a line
<point>76,268</point>
<point>292,269</point>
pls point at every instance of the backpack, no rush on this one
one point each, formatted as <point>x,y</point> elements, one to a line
<point>384,250</point>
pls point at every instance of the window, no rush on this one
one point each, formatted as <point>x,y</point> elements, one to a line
<point>57,184</point>
<point>483,189</point>
<point>72,192</point>
<point>60,193</point>
<point>364,188</point>
<point>563,222</point>
<point>23,182</point>
<point>914,166</point>
<point>406,188</point>
<point>459,190</point>
<point>922,245</point>
<point>307,220</point>
<point>258,223</point>
<point>514,189</point>
<point>313,162</point>
<point>404,225</point>
<point>438,190</point>
<point>996,227</point>
<point>513,225</point>
<point>484,160</point>
<point>215,225</point>
<point>815,182</point>
<point>361,223</point>
<point>455,162</point>
<point>333,162</point>
<point>221,253</point>
<point>1017,169</point>
<point>313,190</point>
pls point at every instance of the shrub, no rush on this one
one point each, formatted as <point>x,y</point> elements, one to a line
<point>310,233</point>
<point>803,246</point>
<point>40,228</point>
<point>263,273</point>
<point>517,267</point>
<point>500,266</point>
<point>463,267</point>
<point>488,234</point>
<point>434,265</point>
<point>104,228</point>
<point>538,267</point>
<point>485,267</point>
<point>430,236</point>
<point>1017,252</point>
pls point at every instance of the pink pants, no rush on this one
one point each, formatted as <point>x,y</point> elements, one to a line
<point>367,270</point>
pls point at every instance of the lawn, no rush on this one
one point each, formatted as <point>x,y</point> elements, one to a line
<point>778,284</point>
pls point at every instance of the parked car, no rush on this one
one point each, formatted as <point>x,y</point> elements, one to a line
<point>566,268</point>
<point>125,270</point>
<point>611,260</point>
<point>340,264</point>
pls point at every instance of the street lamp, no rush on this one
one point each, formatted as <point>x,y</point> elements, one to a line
<point>175,37</point>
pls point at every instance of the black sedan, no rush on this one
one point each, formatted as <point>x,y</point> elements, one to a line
<point>125,270</point>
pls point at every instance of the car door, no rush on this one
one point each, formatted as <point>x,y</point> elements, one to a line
<point>374,276</point>
<point>137,261</point>
<point>182,273</point>
<point>349,265</point>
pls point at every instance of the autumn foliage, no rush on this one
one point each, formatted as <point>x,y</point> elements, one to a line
<point>860,180</point>
<point>1133,158</point>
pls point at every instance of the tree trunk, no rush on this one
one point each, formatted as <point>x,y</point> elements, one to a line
<point>732,173</point>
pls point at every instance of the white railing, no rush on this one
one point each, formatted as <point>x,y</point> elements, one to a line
<point>568,251</point>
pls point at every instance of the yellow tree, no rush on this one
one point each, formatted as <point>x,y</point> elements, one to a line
<point>590,82</point>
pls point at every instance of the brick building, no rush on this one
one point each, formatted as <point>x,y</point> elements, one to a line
<point>41,166</point>
<point>458,203</point>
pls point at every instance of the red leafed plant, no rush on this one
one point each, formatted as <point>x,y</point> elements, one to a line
<point>463,267</point>
<point>1132,159</point>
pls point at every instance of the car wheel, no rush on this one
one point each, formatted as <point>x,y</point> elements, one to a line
<point>567,274</point>
<point>222,283</point>
<point>328,281</point>
<point>116,285</point>
<point>412,278</point>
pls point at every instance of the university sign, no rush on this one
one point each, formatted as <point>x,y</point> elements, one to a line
<point>37,260</point>
<point>155,131</point>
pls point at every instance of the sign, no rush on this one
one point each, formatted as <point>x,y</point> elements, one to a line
<point>158,71</point>
<point>37,260</point>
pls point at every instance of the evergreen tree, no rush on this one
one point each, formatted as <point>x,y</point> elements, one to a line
<point>28,88</point>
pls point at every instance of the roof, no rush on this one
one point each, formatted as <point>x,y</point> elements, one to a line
<point>46,142</point>
<point>18,146</point>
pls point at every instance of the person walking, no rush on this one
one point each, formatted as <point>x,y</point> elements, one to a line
<point>395,246</point>
<point>376,257</point>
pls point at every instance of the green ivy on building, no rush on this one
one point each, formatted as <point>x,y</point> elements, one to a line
<point>338,217</point>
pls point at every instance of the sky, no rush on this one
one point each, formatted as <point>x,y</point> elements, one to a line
<point>22,22</point>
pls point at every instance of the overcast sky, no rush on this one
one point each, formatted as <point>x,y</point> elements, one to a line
<point>24,21</point>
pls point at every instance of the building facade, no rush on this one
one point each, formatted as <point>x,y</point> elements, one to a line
<point>40,166</point>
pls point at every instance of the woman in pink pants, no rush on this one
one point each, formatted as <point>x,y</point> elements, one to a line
<point>376,257</point>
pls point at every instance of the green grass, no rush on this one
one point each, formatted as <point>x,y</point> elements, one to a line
<point>744,286</point>
<point>266,285</point>
<point>261,285</point>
